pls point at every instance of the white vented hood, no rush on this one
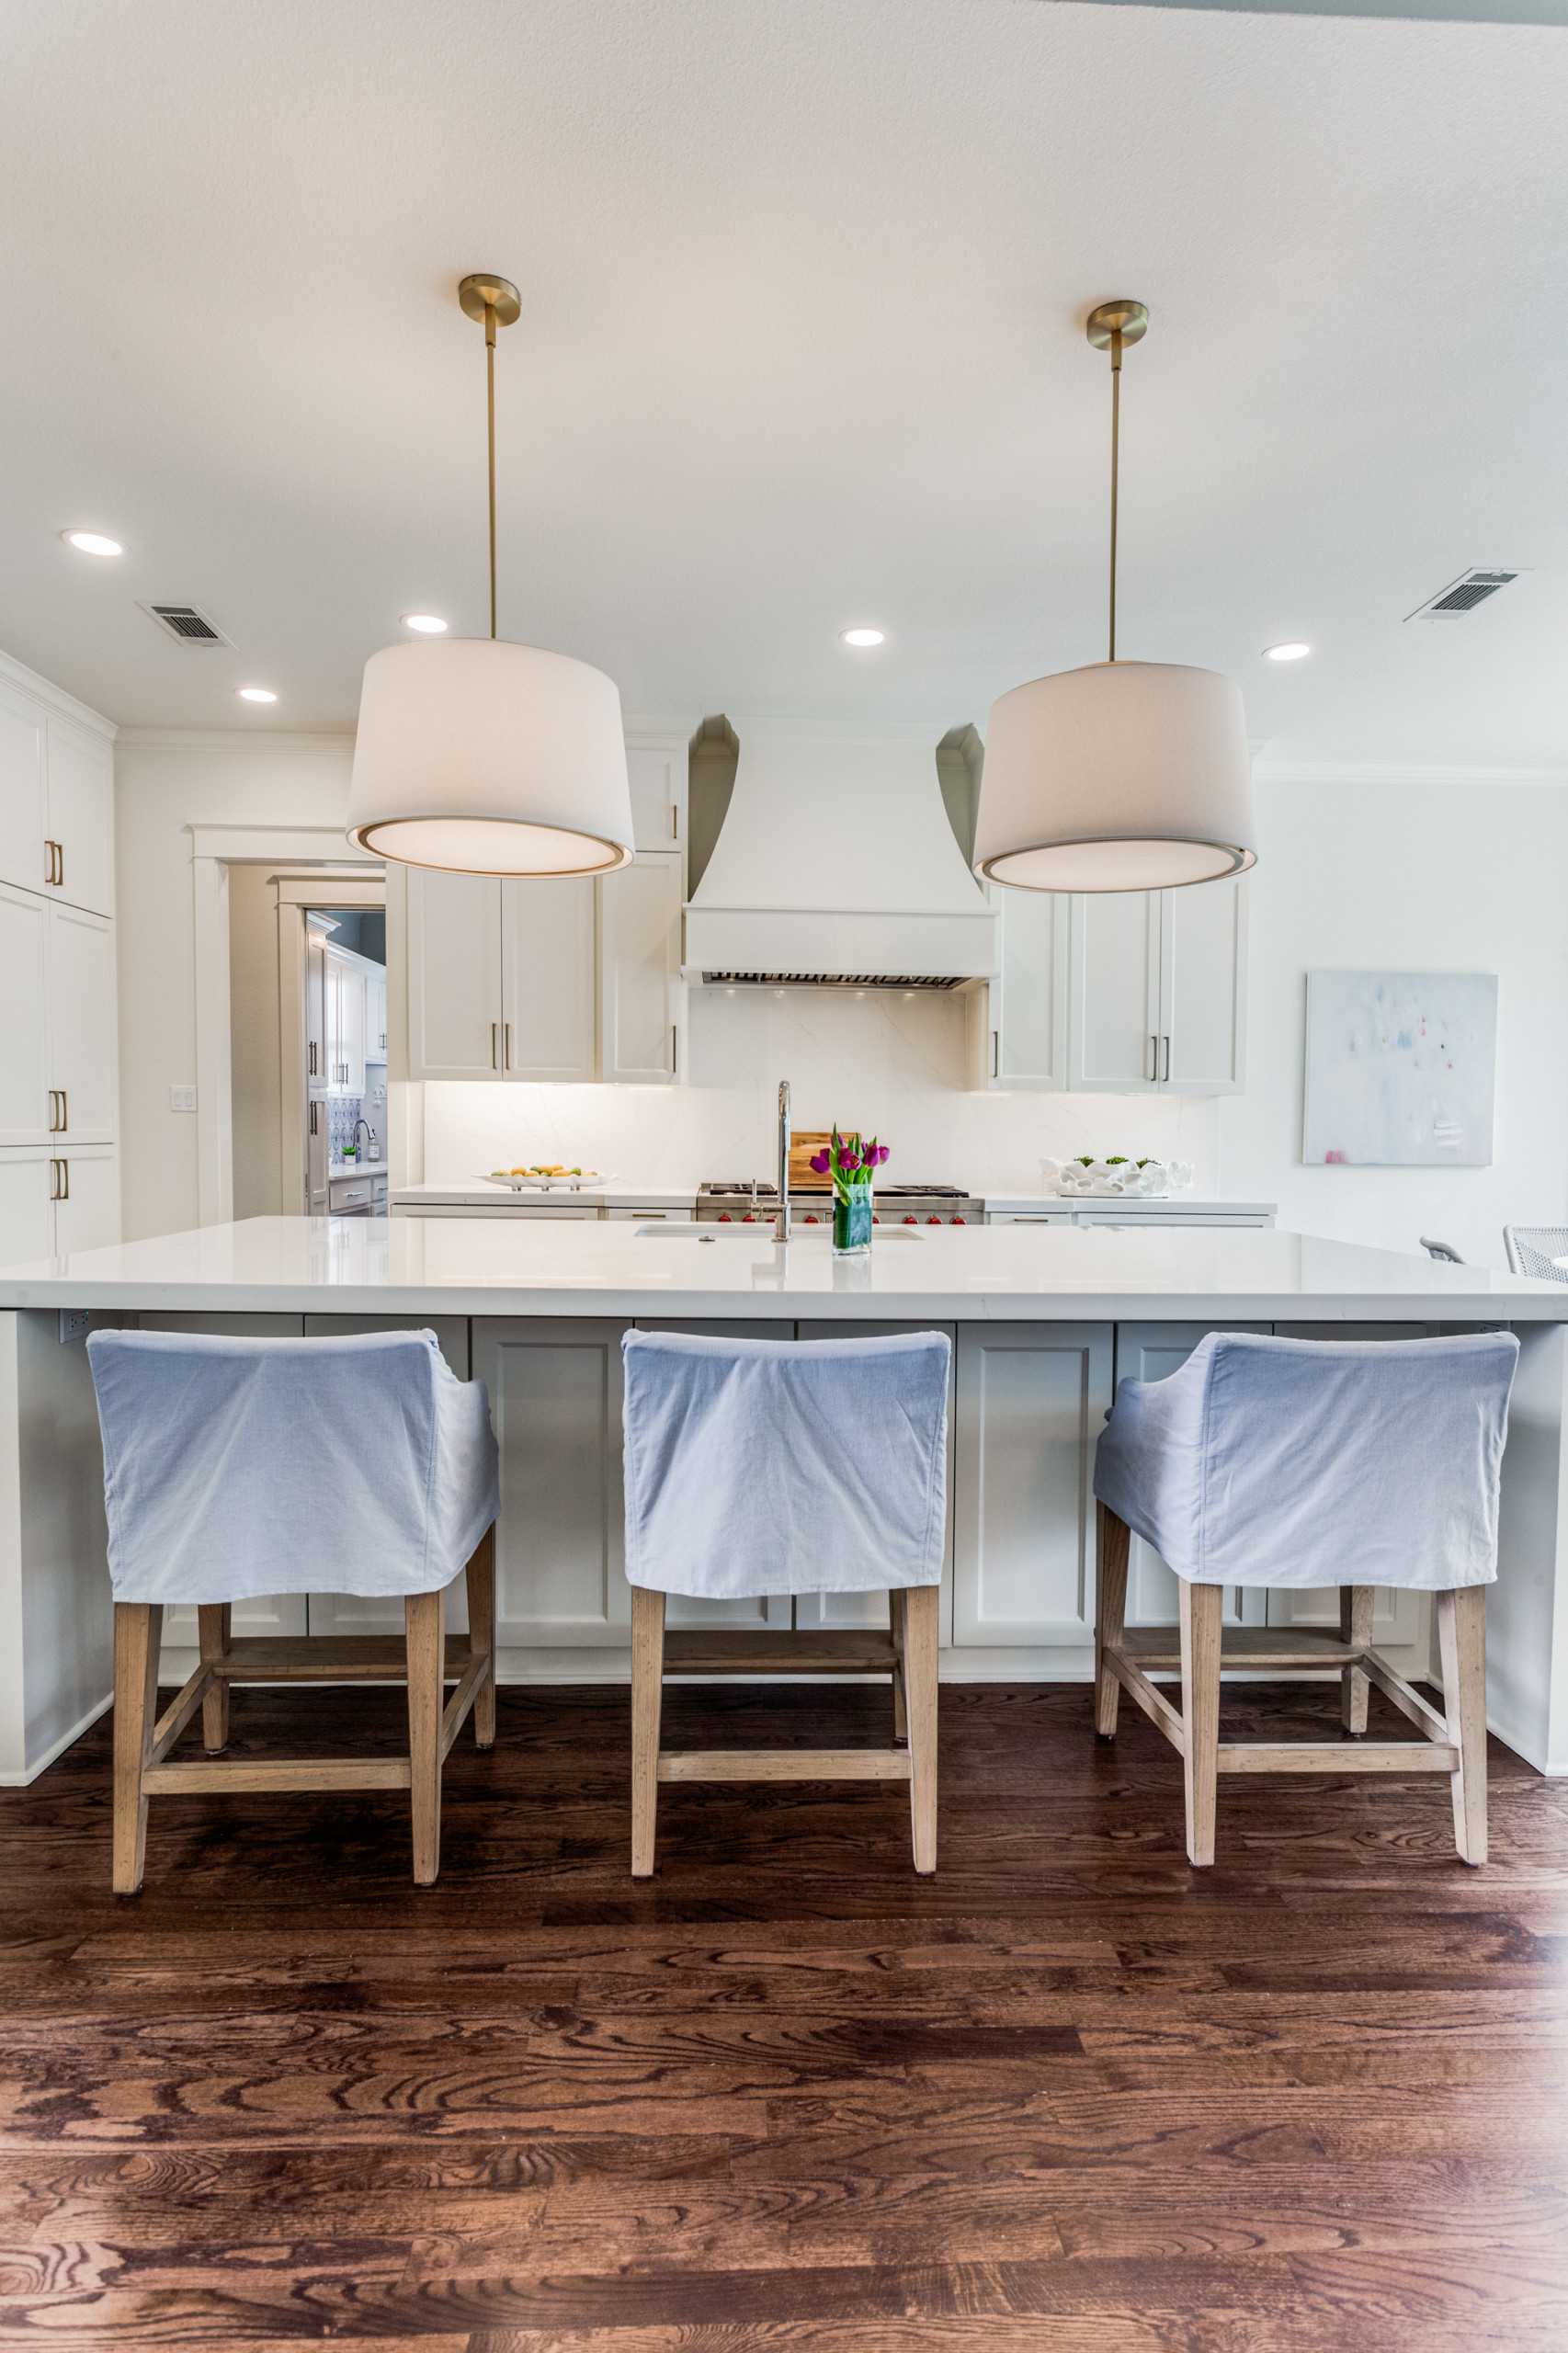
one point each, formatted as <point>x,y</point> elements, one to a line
<point>836,861</point>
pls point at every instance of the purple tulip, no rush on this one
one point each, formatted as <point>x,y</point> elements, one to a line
<point>850,1162</point>
<point>820,1162</point>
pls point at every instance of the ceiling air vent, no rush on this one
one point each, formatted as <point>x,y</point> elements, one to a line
<point>188,623</point>
<point>1462,595</point>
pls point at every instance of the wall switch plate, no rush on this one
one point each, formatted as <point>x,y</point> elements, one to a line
<point>182,1099</point>
<point>74,1322</point>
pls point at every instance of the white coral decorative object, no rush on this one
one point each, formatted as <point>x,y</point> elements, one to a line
<point>1116,1180</point>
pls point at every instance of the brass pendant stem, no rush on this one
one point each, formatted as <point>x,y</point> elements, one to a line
<point>490,390</point>
<point>1115,457</point>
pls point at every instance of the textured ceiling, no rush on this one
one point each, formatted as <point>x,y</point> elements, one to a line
<point>802,292</point>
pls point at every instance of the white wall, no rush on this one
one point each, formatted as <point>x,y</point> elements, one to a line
<point>1409,874</point>
<point>164,785</point>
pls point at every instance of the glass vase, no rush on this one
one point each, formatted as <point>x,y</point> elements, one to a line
<point>852,1221</point>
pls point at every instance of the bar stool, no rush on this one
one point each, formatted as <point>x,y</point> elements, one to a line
<point>237,1468</point>
<point>770,1467</point>
<point>1286,1464</point>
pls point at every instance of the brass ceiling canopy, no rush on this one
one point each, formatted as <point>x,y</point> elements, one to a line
<point>485,291</point>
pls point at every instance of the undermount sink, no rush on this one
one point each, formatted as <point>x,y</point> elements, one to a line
<point>763,1232</point>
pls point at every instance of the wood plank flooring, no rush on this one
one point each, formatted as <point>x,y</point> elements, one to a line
<point>1070,2095</point>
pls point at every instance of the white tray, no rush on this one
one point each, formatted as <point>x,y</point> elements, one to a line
<point>589,1180</point>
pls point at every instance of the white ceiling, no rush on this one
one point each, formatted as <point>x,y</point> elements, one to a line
<point>801,347</point>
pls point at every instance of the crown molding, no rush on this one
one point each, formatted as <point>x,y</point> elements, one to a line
<point>233,739</point>
<point>55,698</point>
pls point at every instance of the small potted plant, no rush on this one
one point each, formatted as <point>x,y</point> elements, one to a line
<point>851,1164</point>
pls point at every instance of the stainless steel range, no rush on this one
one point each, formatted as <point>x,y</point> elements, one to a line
<point>744,1204</point>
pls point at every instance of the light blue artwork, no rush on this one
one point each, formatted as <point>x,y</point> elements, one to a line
<point>1399,1069</point>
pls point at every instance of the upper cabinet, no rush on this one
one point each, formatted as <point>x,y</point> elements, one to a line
<point>56,804</point>
<point>541,980</point>
<point>1157,991</point>
<point>657,775</point>
<point>1018,1027</point>
<point>639,984</point>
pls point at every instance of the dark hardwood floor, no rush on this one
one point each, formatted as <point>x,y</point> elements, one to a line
<point>1071,2095</point>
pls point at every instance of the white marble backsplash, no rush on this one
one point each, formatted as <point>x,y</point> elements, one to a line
<point>889,1066</point>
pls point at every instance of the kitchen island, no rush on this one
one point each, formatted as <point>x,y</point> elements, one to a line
<point>1043,1319</point>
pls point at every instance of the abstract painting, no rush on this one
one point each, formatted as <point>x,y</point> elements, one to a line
<point>1399,1069</point>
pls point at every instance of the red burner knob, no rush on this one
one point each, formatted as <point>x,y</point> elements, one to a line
<point>961,1221</point>
<point>912,1220</point>
<point>814,1220</point>
<point>724,1218</point>
<point>749,1219</point>
<point>933,1220</point>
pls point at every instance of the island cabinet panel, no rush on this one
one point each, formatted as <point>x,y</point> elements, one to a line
<point>555,1397</point>
<point>872,1609</point>
<point>752,1609</point>
<point>1031,1400</point>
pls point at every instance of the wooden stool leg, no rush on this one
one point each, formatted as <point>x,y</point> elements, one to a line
<point>647,1694</point>
<point>1354,1626</point>
<point>214,1621</point>
<point>896,1628</point>
<point>480,1579</point>
<point>424,1621</point>
<point>138,1628</point>
<point>1200,1608</point>
<point>1110,1612</point>
<point>1461,1642</point>
<point>922,1618</point>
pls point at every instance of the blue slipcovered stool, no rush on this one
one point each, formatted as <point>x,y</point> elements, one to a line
<point>1301,1463</point>
<point>223,1461</point>
<point>783,1466</point>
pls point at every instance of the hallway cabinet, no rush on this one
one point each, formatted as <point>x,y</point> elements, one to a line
<point>59,1083</point>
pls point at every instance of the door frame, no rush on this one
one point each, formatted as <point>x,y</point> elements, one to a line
<point>321,850</point>
<point>296,893</point>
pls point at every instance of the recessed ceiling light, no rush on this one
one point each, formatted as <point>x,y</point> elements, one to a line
<point>861,636</point>
<point>1294,652</point>
<point>255,694</point>
<point>92,543</point>
<point>427,624</point>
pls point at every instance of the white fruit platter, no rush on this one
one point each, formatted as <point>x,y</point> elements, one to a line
<point>1116,1180</point>
<point>545,1180</point>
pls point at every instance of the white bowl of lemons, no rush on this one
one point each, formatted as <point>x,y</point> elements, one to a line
<point>545,1177</point>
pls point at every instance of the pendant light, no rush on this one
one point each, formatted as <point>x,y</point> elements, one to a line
<point>481,756</point>
<point>1123,775</point>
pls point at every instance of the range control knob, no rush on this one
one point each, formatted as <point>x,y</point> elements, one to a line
<point>750,1218</point>
<point>912,1220</point>
<point>724,1218</point>
<point>933,1220</point>
<point>876,1220</point>
<point>814,1220</point>
<point>961,1221</point>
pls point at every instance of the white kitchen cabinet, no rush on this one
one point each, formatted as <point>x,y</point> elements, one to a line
<point>1017,1023</point>
<point>23,731</point>
<point>81,1025</point>
<point>81,816</point>
<point>375,1018</point>
<point>26,1205</point>
<point>345,1021</point>
<point>86,1197</point>
<point>1031,1401</point>
<point>1157,990</point>
<point>27,1112</point>
<point>315,1010</point>
<point>641,992</point>
<point>454,975</point>
<point>555,1399</point>
<point>657,774</point>
<point>547,977</point>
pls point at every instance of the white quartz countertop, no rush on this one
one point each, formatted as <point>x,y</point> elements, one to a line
<point>477,1194</point>
<point>523,1266</point>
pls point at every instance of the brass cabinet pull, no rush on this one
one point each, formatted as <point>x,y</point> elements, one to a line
<point>64,1112</point>
<point>1167,1072</point>
<point>507,1028</point>
<point>494,1028</point>
<point>55,865</point>
<point>65,1179</point>
<point>60,1180</point>
<point>1155,1060</point>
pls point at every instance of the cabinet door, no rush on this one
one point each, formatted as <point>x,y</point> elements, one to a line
<point>1114,1017</point>
<point>351,1027</point>
<point>638,965</point>
<point>81,1025</point>
<point>555,1398</point>
<point>315,1010</point>
<point>25,1109</point>
<point>27,1216</point>
<point>1203,980</point>
<point>375,1019</point>
<point>81,816</point>
<point>454,975</point>
<point>1031,1400</point>
<point>654,779</point>
<point>1152,1352</point>
<point>1032,1047</point>
<point>548,980</point>
<point>86,1201</point>
<point>22,856</point>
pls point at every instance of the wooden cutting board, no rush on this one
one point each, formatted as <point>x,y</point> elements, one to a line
<point>803,1144</point>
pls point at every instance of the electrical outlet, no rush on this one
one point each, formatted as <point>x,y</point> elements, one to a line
<point>74,1322</point>
<point>182,1099</point>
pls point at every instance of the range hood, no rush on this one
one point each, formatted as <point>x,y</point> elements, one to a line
<point>837,865</point>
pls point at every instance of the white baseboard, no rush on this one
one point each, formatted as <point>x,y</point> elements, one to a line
<point>58,1748</point>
